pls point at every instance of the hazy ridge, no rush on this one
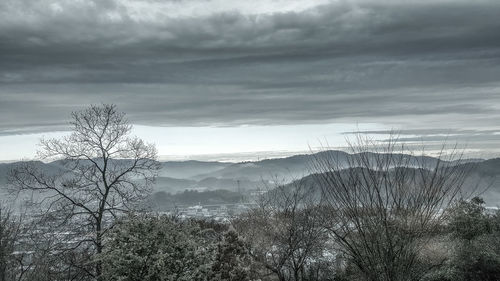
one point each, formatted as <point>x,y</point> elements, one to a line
<point>176,177</point>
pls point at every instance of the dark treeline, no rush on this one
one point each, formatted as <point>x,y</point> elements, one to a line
<point>380,216</point>
<point>166,201</point>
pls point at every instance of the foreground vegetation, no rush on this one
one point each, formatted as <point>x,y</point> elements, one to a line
<point>257,246</point>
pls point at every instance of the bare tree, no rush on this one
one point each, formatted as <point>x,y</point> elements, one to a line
<point>10,228</point>
<point>103,172</point>
<point>385,203</point>
<point>16,251</point>
<point>284,232</point>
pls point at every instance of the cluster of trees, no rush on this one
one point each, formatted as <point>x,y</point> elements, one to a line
<point>265,244</point>
<point>383,216</point>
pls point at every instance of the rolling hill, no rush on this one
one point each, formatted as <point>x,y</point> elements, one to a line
<point>178,176</point>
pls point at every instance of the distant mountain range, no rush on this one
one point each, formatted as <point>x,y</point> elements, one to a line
<point>295,167</point>
<point>177,176</point>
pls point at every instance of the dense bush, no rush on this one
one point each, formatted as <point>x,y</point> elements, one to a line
<point>474,242</point>
<point>156,248</point>
<point>163,248</point>
<point>232,262</point>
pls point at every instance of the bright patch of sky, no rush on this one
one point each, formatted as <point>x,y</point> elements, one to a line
<point>214,143</point>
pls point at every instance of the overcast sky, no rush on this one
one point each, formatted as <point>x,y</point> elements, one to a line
<point>222,76</point>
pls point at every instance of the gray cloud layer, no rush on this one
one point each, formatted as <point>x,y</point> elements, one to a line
<point>424,64</point>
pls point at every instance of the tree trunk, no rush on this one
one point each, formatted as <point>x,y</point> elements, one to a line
<point>98,242</point>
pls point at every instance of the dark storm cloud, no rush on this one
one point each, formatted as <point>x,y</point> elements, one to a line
<point>102,42</point>
<point>429,65</point>
<point>168,105</point>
